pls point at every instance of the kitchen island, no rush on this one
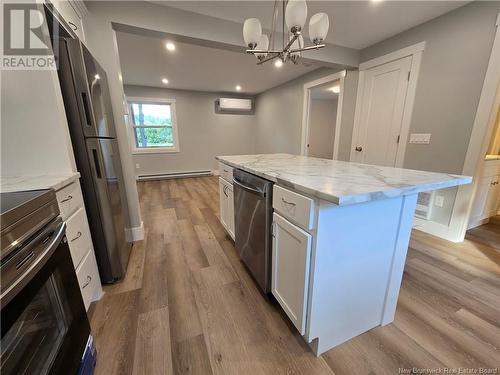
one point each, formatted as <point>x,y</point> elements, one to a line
<point>340,237</point>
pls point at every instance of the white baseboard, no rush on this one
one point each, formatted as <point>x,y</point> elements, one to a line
<point>165,176</point>
<point>216,172</point>
<point>135,233</point>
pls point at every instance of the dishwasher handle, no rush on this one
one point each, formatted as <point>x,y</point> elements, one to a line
<point>249,189</point>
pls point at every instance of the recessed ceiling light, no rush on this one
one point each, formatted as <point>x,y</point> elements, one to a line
<point>335,89</point>
<point>164,80</point>
<point>278,63</point>
<point>238,88</point>
<point>170,46</point>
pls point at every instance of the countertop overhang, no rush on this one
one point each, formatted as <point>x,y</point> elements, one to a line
<point>23,183</point>
<point>341,182</point>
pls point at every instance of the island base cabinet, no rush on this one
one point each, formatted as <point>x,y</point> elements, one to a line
<point>290,269</point>
<point>357,267</point>
<point>226,205</point>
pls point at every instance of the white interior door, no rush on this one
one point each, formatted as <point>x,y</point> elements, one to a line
<point>380,113</point>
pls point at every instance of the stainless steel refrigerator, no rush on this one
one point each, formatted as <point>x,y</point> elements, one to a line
<point>88,109</point>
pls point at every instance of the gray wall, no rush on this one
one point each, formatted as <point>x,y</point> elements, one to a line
<point>458,46</point>
<point>279,115</point>
<point>322,118</point>
<point>203,134</point>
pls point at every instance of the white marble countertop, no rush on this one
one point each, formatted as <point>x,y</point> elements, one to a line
<point>341,182</point>
<point>22,183</point>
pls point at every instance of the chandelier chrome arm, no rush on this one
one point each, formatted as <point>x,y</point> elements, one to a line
<point>268,58</point>
<point>253,51</point>
<point>309,48</point>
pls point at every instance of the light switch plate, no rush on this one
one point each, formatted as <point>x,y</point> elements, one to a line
<point>420,138</point>
<point>137,166</point>
<point>439,201</point>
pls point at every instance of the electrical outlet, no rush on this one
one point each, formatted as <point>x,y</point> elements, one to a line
<point>420,138</point>
<point>439,201</point>
<point>137,165</point>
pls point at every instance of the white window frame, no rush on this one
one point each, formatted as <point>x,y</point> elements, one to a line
<point>131,126</point>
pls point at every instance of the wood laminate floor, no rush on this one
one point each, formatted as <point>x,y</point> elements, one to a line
<point>488,234</point>
<point>187,305</point>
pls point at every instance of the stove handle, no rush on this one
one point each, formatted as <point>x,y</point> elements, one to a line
<point>51,237</point>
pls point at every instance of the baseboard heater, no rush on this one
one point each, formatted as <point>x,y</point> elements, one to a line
<point>165,176</point>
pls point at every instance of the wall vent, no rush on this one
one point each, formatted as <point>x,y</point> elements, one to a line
<point>425,202</point>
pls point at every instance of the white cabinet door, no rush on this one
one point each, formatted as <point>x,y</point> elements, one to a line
<point>223,202</point>
<point>290,269</point>
<point>230,210</point>
<point>483,188</point>
<point>74,21</point>
<point>490,207</point>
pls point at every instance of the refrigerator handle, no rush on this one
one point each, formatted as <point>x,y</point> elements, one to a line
<point>86,109</point>
<point>96,163</point>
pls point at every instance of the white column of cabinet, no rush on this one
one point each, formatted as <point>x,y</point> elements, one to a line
<point>487,196</point>
<point>291,255</point>
<point>290,269</point>
<point>226,204</point>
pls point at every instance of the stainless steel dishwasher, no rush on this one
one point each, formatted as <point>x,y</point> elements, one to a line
<point>253,209</point>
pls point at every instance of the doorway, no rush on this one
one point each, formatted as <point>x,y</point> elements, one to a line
<point>322,116</point>
<point>386,91</point>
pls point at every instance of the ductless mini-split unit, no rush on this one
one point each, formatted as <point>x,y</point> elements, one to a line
<point>234,105</point>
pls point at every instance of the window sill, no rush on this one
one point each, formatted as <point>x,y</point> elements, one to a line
<point>155,151</point>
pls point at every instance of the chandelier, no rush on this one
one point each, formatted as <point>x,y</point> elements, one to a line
<point>294,14</point>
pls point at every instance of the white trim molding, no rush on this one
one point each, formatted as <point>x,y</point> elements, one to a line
<point>416,52</point>
<point>135,234</point>
<point>340,76</point>
<point>396,55</point>
<point>482,129</point>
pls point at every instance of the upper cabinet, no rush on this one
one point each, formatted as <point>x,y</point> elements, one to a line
<point>72,13</point>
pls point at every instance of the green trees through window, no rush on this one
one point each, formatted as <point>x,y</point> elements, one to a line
<point>152,124</point>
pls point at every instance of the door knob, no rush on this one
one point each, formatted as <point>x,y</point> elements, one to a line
<point>359,148</point>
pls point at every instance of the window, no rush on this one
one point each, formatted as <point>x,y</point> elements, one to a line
<point>154,128</point>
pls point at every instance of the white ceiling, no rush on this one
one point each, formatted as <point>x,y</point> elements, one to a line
<point>145,61</point>
<point>355,24</point>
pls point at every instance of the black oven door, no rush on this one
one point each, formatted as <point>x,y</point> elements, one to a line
<point>44,322</point>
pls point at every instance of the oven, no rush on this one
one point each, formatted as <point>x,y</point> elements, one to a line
<point>43,319</point>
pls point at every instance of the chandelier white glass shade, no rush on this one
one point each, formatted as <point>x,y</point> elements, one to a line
<point>294,16</point>
<point>297,46</point>
<point>252,31</point>
<point>318,27</point>
<point>262,45</point>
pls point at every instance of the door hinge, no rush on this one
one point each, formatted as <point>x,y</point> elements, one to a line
<point>272,229</point>
<point>399,137</point>
<point>409,73</point>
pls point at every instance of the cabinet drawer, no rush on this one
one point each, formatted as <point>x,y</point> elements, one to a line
<point>78,235</point>
<point>69,199</point>
<point>88,278</point>
<point>293,206</point>
<point>226,172</point>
